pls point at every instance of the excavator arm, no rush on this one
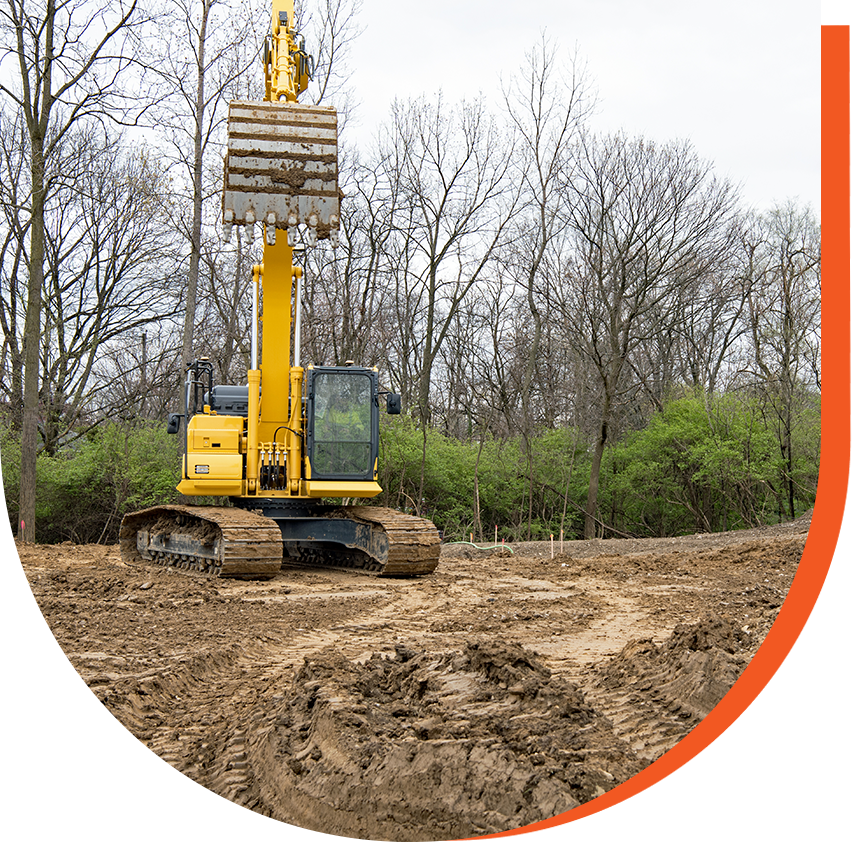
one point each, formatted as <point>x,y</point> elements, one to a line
<point>281,164</point>
<point>287,67</point>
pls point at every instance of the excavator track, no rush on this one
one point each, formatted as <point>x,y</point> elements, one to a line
<point>238,543</point>
<point>414,544</point>
<point>380,541</point>
<point>210,540</point>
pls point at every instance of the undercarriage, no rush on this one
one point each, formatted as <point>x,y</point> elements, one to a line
<point>254,540</point>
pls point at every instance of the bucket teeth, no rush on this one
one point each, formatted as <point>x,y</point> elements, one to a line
<point>282,166</point>
<point>270,229</point>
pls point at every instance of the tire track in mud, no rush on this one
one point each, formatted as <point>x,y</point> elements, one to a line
<point>648,729</point>
<point>202,713</point>
<point>656,694</point>
<point>462,741</point>
<point>655,683</point>
<point>179,710</point>
<point>205,673</point>
<point>196,712</point>
<point>407,618</point>
<point>621,620</point>
<point>225,750</point>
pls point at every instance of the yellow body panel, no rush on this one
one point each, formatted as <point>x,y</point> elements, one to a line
<point>210,488</point>
<point>222,433</point>
<point>211,466</point>
<point>212,473</point>
<point>331,488</point>
<point>214,462</point>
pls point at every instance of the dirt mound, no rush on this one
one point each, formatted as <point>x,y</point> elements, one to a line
<point>655,694</point>
<point>470,551</point>
<point>441,745</point>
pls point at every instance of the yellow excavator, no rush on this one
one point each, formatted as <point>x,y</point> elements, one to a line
<point>287,445</point>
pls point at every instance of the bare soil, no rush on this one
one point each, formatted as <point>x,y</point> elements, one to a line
<point>504,688</point>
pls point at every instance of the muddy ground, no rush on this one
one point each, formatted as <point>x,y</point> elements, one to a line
<point>502,689</point>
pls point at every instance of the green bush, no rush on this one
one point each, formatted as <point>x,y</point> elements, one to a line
<point>451,471</point>
<point>700,465</point>
<point>447,475</point>
<point>10,465</point>
<point>83,492</point>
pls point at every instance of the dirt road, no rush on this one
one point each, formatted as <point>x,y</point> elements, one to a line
<point>502,689</point>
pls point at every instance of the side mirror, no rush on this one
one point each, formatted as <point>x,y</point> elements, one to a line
<point>174,423</point>
<point>394,404</point>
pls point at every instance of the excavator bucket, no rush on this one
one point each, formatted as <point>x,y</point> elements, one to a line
<point>281,170</point>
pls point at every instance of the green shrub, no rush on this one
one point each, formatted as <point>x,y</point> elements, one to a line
<point>701,465</point>
<point>88,486</point>
<point>453,468</point>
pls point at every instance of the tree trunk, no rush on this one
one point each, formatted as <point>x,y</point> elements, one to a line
<point>788,448</point>
<point>594,481</point>
<point>477,512</point>
<point>197,196</point>
<point>32,346</point>
<point>425,412</point>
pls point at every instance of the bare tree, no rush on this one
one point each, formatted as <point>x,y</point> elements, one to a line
<point>547,106</point>
<point>330,27</point>
<point>14,256</point>
<point>110,265</point>
<point>69,57</point>
<point>203,49</point>
<point>448,168</point>
<point>451,168</point>
<point>647,220</point>
<point>346,292</point>
<point>784,320</point>
<point>714,323</point>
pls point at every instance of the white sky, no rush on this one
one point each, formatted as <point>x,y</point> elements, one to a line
<point>738,78</point>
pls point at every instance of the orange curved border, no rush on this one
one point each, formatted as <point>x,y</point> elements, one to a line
<point>834,468</point>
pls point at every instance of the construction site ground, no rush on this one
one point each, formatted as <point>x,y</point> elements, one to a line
<point>505,688</point>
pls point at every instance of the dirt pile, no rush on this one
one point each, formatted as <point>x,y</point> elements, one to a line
<point>690,672</point>
<point>658,693</point>
<point>441,745</point>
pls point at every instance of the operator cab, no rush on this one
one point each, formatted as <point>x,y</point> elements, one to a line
<point>342,431</point>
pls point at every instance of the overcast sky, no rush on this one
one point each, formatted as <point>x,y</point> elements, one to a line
<point>738,78</point>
